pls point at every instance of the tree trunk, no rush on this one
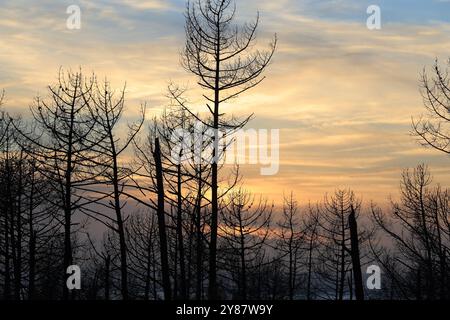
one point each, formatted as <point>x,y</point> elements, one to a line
<point>68,199</point>
<point>357,275</point>
<point>243,265</point>
<point>212,290</point>
<point>120,226</point>
<point>162,222</point>
<point>18,264</point>
<point>32,264</point>
<point>107,276</point>
<point>148,268</point>
<point>7,290</point>
<point>310,249</point>
<point>32,240</point>
<point>180,235</point>
<point>342,260</point>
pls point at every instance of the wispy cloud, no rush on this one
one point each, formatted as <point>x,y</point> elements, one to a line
<point>342,95</point>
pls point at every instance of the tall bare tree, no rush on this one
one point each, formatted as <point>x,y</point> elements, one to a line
<point>64,137</point>
<point>334,263</point>
<point>152,194</point>
<point>107,110</point>
<point>220,55</point>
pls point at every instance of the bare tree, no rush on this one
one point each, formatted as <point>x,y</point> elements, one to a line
<point>178,193</point>
<point>245,227</point>
<point>418,226</point>
<point>433,129</point>
<point>65,134</point>
<point>107,110</point>
<point>6,178</point>
<point>143,246</point>
<point>334,261</point>
<point>101,259</point>
<point>161,221</point>
<point>219,54</point>
<point>27,221</point>
<point>291,236</point>
<point>312,223</point>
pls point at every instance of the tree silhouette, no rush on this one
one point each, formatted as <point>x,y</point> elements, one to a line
<point>291,237</point>
<point>245,227</point>
<point>422,241</point>
<point>219,54</point>
<point>335,256</point>
<point>143,245</point>
<point>433,129</point>
<point>354,251</point>
<point>107,110</point>
<point>64,136</point>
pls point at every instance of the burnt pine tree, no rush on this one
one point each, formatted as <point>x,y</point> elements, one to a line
<point>176,177</point>
<point>107,110</point>
<point>26,221</point>
<point>61,144</point>
<point>418,226</point>
<point>433,128</point>
<point>143,246</point>
<point>245,227</point>
<point>150,181</point>
<point>220,55</point>
<point>161,222</point>
<point>289,244</point>
<point>334,234</point>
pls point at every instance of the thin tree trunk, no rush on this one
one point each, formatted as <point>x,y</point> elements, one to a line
<point>107,276</point>
<point>243,264</point>
<point>120,225</point>
<point>32,240</point>
<point>359,290</point>
<point>32,265</point>
<point>180,234</point>
<point>350,286</point>
<point>429,273</point>
<point>162,223</point>
<point>310,249</point>
<point>68,197</point>
<point>155,291</point>
<point>212,289</point>
<point>18,265</point>
<point>199,253</point>
<point>441,250</point>
<point>7,290</point>
<point>342,266</point>
<point>291,267</point>
<point>148,270</point>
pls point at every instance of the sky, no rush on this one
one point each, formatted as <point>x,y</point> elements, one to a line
<point>341,95</point>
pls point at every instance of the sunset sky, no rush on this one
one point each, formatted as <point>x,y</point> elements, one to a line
<point>341,95</point>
